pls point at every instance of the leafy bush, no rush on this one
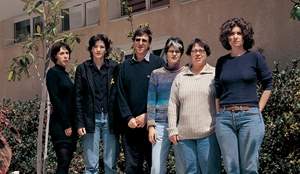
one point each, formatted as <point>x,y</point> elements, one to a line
<point>281,147</point>
<point>280,151</point>
<point>23,115</point>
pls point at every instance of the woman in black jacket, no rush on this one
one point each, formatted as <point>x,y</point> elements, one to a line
<point>61,92</point>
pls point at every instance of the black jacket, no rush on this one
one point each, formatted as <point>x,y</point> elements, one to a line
<point>61,92</point>
<point>85,96</point>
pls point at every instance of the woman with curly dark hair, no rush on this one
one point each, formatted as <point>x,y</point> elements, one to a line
<point>239,123</point>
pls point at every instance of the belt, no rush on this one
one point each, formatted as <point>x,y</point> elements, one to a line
<point>236,108</point>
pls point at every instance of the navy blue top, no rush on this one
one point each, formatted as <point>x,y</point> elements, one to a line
<point>133,85</point>
<point>236,78</point>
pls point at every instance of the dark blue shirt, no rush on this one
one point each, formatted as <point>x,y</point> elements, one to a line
<point>236,78</point>
<point>133,85</point>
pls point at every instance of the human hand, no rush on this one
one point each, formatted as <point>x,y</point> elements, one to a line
<point>141,120</point>
<point>152,135</point>
<point>174,139</point>
<point>132,123</point>
<point>68,132</point>
<point>81,131</point>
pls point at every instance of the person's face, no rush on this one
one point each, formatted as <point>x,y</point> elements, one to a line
<point>173,56</point>
<point>198,55</point>
<point>62,57</point>
<point>235,38</point>
<point>98,50</point>
<point>141,44</point>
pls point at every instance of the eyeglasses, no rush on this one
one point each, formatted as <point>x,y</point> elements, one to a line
<point>200,51</point>
<point>174,51</point>
<point>140,39</point>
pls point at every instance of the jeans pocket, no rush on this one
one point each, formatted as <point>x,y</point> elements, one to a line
<point>252,112</point>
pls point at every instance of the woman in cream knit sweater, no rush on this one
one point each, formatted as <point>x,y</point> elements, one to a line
<point>191,113</point>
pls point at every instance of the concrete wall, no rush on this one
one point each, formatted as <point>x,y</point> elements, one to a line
<point>274,31</point>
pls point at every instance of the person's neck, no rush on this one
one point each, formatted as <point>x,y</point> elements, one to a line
<point>198,68</point>
<point>236,52</point>
<point>172,67</point>
<point>98,62</point>
<point>140,57</point>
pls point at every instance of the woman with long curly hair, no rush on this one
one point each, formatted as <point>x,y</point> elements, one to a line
<point>239,123</point>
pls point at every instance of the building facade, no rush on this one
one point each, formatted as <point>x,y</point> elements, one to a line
<point>275,32</point>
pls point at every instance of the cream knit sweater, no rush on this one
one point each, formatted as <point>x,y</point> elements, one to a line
<point>191,109</point>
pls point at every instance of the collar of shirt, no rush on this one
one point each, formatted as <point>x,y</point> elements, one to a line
<point>146,58</point>
<point>207,69</point>
<point>105,64</point>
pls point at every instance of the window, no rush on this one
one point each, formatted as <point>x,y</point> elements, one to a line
<point>158,52</point>
<point>37,24</point>
<point>92,12</point>
<point>22,30</point>
<point>80,14</point>
<point>157,3</point>
<point>140,5</point>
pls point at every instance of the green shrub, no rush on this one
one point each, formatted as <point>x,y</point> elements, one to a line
<point>280,151</point>
<point>23,115</point>
<point>281,147</point>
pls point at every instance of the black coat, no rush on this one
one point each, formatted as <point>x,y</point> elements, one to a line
<point>61,92</point>
<point>85,96</point>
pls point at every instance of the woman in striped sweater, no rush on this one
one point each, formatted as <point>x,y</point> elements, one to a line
<point>157,105</point>
<point>191,113</point>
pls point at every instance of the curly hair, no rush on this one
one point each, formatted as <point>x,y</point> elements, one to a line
<point>245,27</point>
<point>100,37</point>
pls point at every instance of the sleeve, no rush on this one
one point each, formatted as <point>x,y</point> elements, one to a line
<point>123,104</point>
<point>152,100</point>
<point>264,75</point>
<point>52,84</point>
<point>217,83</point>
<point>173,108</point>
<point>79,97</point>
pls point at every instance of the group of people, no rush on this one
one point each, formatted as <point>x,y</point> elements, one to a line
<point>207,114</point>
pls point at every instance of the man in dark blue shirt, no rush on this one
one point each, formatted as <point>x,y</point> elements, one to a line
<point>132,99</point>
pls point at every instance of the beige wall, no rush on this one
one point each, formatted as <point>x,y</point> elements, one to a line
<point>274,31</point>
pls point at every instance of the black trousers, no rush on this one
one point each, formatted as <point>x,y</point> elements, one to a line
<point>137,149</point>
<point>64,154</point>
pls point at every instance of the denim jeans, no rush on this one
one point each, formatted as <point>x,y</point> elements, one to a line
<point>240,135</point>
<point>91,147</point>
<point>160,151</point>
<point>200,156</point>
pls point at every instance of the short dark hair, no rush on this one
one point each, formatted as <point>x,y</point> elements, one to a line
<point>142,30</point>
<point>100,37</point>
<point>176,42</point>
<point>246,30</point>
<point>201,43</point>
<point>55,48</point>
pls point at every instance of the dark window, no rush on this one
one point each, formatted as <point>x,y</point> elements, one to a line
<point>136,5</point>
<point>37,25</point>
<point>157,3</point>
<point>22,30</point>
<point>65,24</point>
<point>158,52</point>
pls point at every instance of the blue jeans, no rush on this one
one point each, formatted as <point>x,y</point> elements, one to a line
<point>200,156</point>
<point>240,135</point>
<point>160,151</point>
<point>91,147</point>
